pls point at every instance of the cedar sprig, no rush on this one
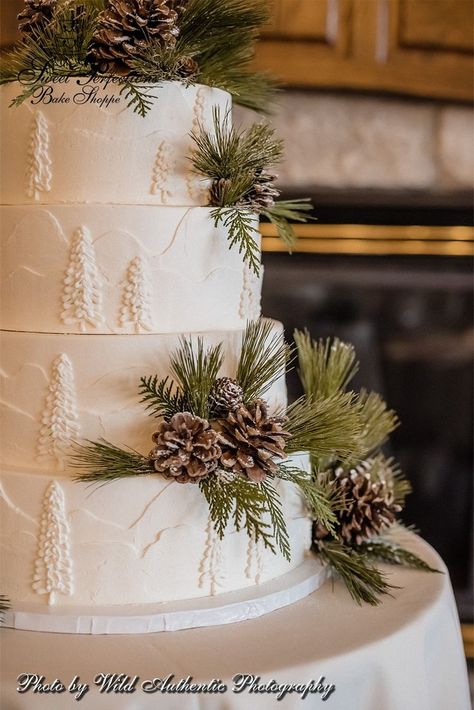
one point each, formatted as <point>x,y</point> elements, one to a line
<point>382,550</point>
<point>362,579</point>
<point>102,462</point>
<point>263,359</point>
<point>161,397</point>
<point>321,499</point>
<point>327,428</point>
<point>253,507</point>
<point>242,233</point>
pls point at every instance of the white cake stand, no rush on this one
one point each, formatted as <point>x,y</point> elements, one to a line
<point>227,608</point>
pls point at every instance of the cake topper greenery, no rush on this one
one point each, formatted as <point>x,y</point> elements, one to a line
<point>239,165</point>
<point>141,42</point>
<point>218,433</point>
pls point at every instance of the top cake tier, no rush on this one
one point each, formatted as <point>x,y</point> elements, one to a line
<point>78,142</point>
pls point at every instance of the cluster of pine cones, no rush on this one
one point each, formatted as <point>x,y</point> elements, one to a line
<point>241,439</point>
<point>124,29</point>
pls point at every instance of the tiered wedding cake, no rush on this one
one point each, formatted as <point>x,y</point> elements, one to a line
<point>107,259</point>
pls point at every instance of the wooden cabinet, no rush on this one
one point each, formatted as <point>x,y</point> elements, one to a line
<point>421,47</point>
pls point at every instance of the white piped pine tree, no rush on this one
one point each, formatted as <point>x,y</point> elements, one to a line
<point>161,171</point>
<point>53,566</point>
<point>59,421</point>
<point>82,298</point>
<point>137,297</point>
<point>39,163</point>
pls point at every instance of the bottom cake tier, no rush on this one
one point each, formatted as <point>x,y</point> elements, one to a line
<point>137,541</point>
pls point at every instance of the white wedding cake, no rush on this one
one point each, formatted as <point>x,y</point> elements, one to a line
<point>107,259</point>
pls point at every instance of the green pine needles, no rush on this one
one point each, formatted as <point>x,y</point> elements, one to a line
<point>215,38</point>
<point>237,164</point>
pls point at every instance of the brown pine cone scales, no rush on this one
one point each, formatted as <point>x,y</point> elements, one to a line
<point>370,505</point>
<point>225,396</point>
<point>186,448</point>
<point>127,27</point>
<point>36,15</point>
<point>251,441</point>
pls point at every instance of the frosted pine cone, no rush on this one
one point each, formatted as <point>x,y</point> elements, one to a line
<point>127,27</point>
<point>186,448</point>
<point>36,15</point>
<point>225,396</point>
<point>370,505</point>
<point>263,192</point>
<point>251,441</point>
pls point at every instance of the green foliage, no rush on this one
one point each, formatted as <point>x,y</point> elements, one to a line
<point>241,233</point>
<point>377,421</point>
<point>327,428</point>
<point>263,359</point>
<point>196,371</point>
<point>363,580</point>
<point>253,507</point>
<point>219,36</point>
<point>283,213</point>
<point>162,397</point>
<point>227,154</point>
<point>321,500</point>
<point>102,462</point>
<point>325,367</point>
<point>380,550</point>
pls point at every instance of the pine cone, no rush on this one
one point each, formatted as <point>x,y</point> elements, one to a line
<point>217,192</point>
<point>370,505</point>
<point>225,396</point>
<point>36,15</point>
<point>251,441</point>
<point>263,192</point>
<point>186,448</point>
<point>126,27</point>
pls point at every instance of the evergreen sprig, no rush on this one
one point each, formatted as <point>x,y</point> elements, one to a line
<point>253,507</point>
<point>161,397</point>
<point>321,499</point>
<point>327,428</point>
<point>283,213</point>
<point>263,359</point>
<point>378,422</point>
<point>325,367</point>
<point>242,233</point>
<point>362,579</point>
<point>196,370</point>
<point>381,550</point>
<point>102,462</point>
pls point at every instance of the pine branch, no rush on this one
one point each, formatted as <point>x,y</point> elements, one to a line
<point>320,498</point>
<point>364,581</point>
<point>248,504</point>
<point>380,550</point>
<point>102,462</point>
<point>386,469</point>
<point>327,428</point>
<point>241,232</point>
<point>325,367</point>
<point>281,215</point>
<point>196,371</point>
<point>162,397</point>
<point>263,359</point>
<point>377,421</point>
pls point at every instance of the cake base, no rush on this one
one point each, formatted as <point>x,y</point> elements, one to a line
<point>227,608</point>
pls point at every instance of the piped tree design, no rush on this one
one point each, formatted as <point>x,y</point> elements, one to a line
<point>136,298</point>
<point>39,163</point>
<point>193,185</point>
<point>212,572</point>
<point>251,294</point>
<point>59,421</point>
<point>255,560</point>
<point>53,566</point>
<point>161,170</point>
<point>82,298</point>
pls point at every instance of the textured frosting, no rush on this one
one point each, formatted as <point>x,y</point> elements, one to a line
<point>137,541</point>
<point>60,388</point>
<point>121,269</point>
<point>85,152</point>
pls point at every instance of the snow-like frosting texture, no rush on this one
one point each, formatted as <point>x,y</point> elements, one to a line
<point>131,542</point>
<point>58,388</point>
<point>61,146</point>
<point>121,269</point>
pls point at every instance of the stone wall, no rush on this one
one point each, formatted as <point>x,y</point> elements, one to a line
<point>351,141</point>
